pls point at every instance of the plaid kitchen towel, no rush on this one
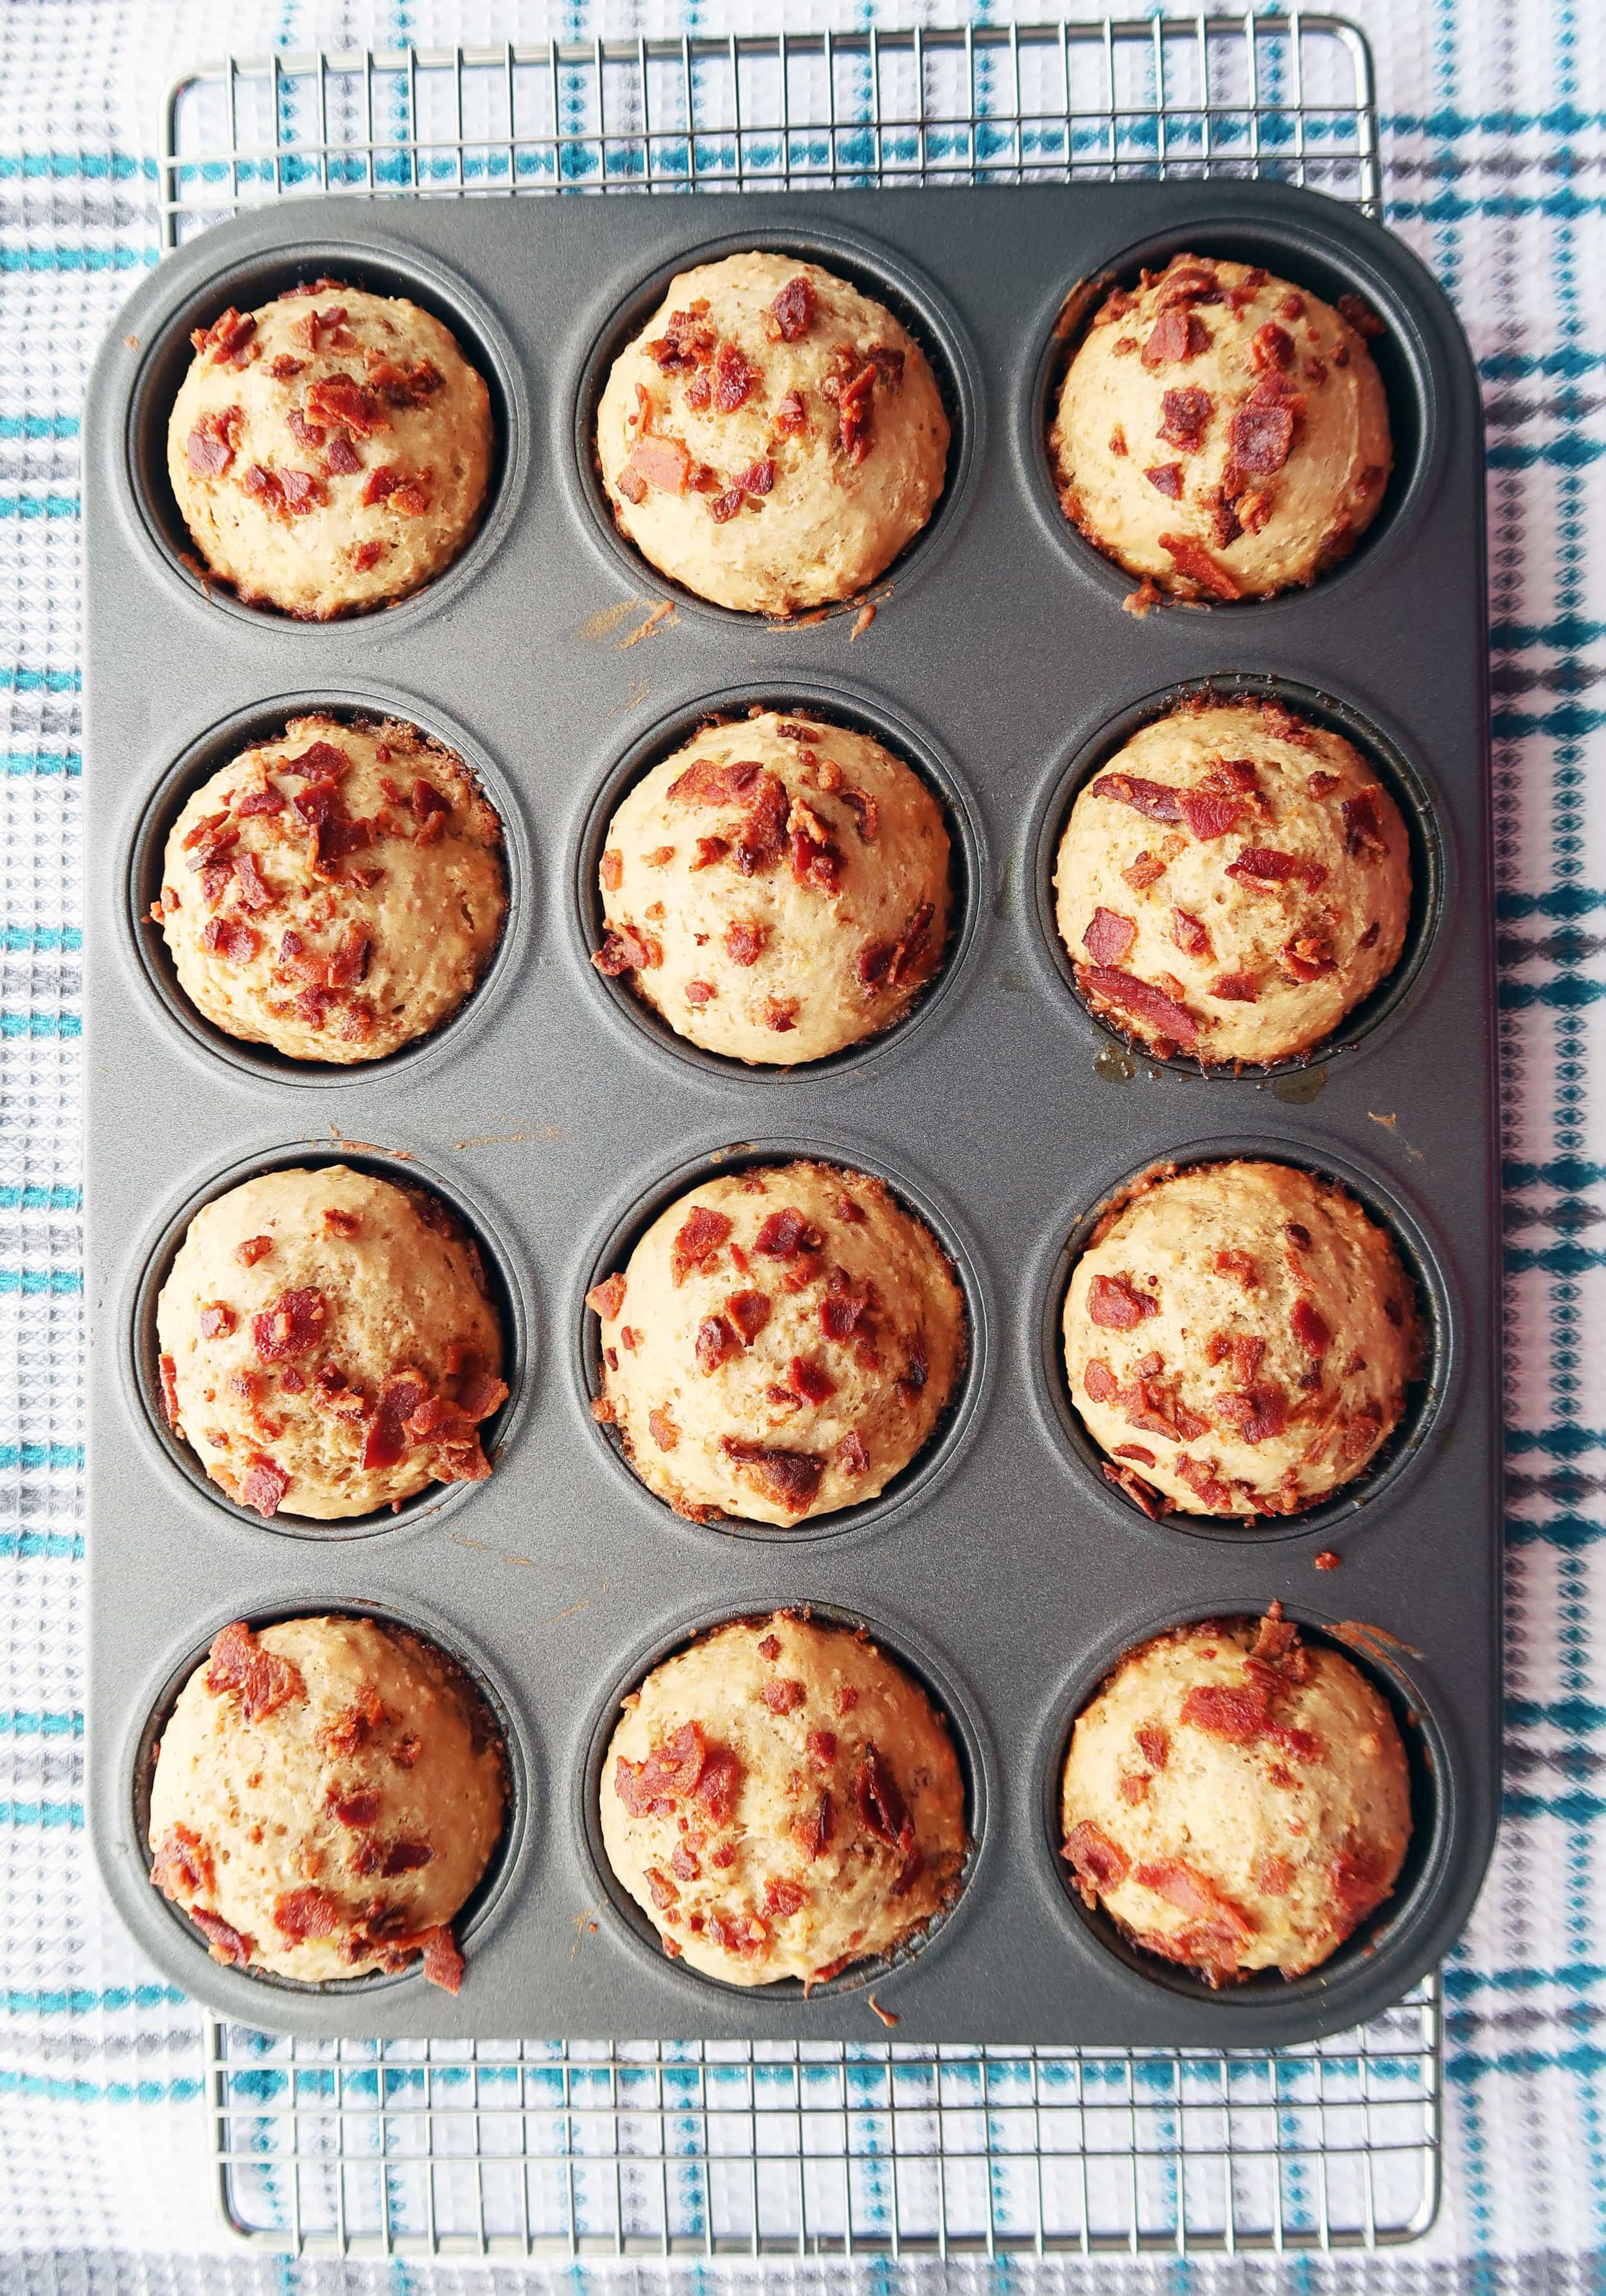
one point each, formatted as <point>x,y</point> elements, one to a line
<point>1495,144</point>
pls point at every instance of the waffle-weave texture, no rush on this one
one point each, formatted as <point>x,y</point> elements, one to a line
<point>1495,145</point>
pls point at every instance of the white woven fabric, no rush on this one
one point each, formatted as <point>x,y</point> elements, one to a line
<point>1497,153</point>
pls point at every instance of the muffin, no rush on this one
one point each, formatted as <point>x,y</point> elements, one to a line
<point>335,894</point>
<point>327,1795</point>
<point>328,1343</point>
<point>781,1343</point>
<point>1222,433</point>
<point>772,438</point>
<point>329,451</point>
<point>1238,1339</point>
<point>1233,883</point>
<point>781,1800</point>
<point>1237,1799</point>
<point>777,889</point>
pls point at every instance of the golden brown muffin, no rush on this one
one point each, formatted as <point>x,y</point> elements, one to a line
<point>1233,883</point>
<point>777,889</point>
<point>327,1795</point>
<point>772,438</point>
<point>1222,433</point>
<point>1238,1338</point>
<point>781,1343</point>
<point>1237,1799</point>
<point>328,1343</point>
<point>335,894</point>
<point>329,451</point>
<point>781,1800</point>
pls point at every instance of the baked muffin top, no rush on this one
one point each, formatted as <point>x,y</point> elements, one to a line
<point>330,451</point>
<point>1221,433</point>
<point>327,1794</point>
<point>1232,882</point>
<point>1238,1338</point>
<point>781,1343</point>
<point>772,438</point>
<point>777,889</point>
<point>328,1343</point>
<point>781,1800</point>
<point>1237,1799</point>
<point>336,893</point>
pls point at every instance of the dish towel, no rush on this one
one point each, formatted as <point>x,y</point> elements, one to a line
<point>1495,148</point>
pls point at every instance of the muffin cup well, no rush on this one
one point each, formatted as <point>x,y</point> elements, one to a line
<point>875,271</point>
<point>1431,882</point>
<point>948,1696</point>
<point>860,713</point>
<point>1306,255</point>
<point>259,279</point>
<point>949,1439</point>
<point>142,1375</point>
<point>1425,1401</point>
<point>474,1923</point>
<point>1388,1939</point>
<point>145,944</point>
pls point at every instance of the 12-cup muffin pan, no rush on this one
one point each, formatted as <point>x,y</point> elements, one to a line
<point>558,1115</point>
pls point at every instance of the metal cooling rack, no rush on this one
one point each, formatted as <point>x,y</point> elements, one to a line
<point>564,2149</point>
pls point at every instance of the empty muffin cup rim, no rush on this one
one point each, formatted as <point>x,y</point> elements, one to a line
<point>209,752</point>
<point>409,273</point>
<point>950,1702</point>
<point>1301,238</point>
<point>1434,876</point>
<point>486,1904</point>
<point>888,277</point>
<point>1390,1933</point>
<point>847,708</point>
<point>1430,1399</point>
<point>643,1199</point>
<point>151,1263</point>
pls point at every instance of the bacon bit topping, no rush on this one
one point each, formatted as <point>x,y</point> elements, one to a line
<point>217,1322</point>
<point>1186,415</point>
<point>355,1811</point>
<point>852,1459</point>
<point>687,342</point>
<point>291,1326</point>
<point>1264,865</point>
<point>1362,830</point>
<point>1108,936</point>
<point>673,1770</point>
<point>724,507</point>
<point>227,337</point>
<point>443,1962</point>
<point>1097,1381</point>
<point>789,416</point>
<point>698,1241</point>
<point>1271,351</point>
<point>1183,1886</point>
<point>1361,316</point>
<point>881,1807</point>
<point>210,448</point>
<point>1310,1327</point>
<point>1262,432</point>
<point>607,1298</point>
<point>1171,1020</point>
<point>1113,1303</point>
<point>1258,1414</point>
<point>784,1696</point>
<point>1240,1265</point>
<point>265,1485</point>
<point>385,1443</point>
<point>783,1897</point>
<point>790,1478</point>
<point>784,1234</point>
<point>239,1667</point>
<point>842,1307</point>
<point>715,1342</point>
<point>1117,440</point>
<point>1194,563</point>
<point>182,1862</point>
<point>1154,1745</point>
<point>1210,816</point>
<point>661,462</point>
<point>716,1789</point>
<point>663,1430</point>
<point>808,1380</point>
<point>1146,870</point>
<point>1178,335</point>
<point>1158,799</point>
<point>231,937</point>
<point>1095,1860</point>
<point>342,404</point>
<point>793,309</point>
<point>733,379</point>
<point>224,1944</point>
<point>1188,934</point>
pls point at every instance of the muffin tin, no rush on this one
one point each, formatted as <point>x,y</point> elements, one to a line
<point>557,1118</point>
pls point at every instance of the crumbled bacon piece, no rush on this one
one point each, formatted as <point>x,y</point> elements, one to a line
<point>339,402</point>
<point>355,1811</point>
<point>758,477</point>
<point>1361,316</point>
<point>1258,1414</point>
<point>230,938</point>
<point>182,1862</point>
<point>1097,1380</point>
<point>1094,1859</point>
<point>724,507</point>
<point>1235,989</point>
<point>715,1342</point>
<point>1178,335</point>
<point>687,342</point>
<point>1183,1886</point>
<point>1264,865</point>
<point>1262,432</point>
<point>1186,415</point>
<point>1125,990</point>
<point>656,462</point>
<point>784,1234</point>
<point>663,1430</point>
<point>1156,799</point>
<point>265,1484</point>
<point>808,1380</point>
<point>793,309</point>
<point>1108,936</point>
<point>852,1459</point>
<point>697,1244</point>
<point>1188,933</point>
<point>210,448</point>
<point>1240,1265</point>
<point>238,1667</point>
<point>607,1298</point>
<point>289,1325</point>
<point>227,337</point>
<point>1113,1303</point>
<point>386,1439</point>
<point>1271,348</point>
<point>405,1856</point>
<point>1238,1714</point>
<point>783,1695</point>
<point>790,1478</point>
<point>671,1772</point>
<point>625,950</point>
<point>224,1943</point>
<point>1154,1745</point>
<point>733,379</point>
<point>1165,478</point>
<point>1194,563</point>
<point>1364,836</point>
<point>1208,814</point>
